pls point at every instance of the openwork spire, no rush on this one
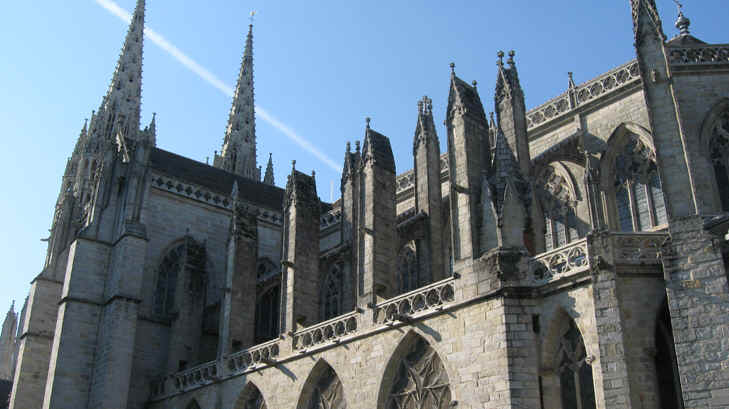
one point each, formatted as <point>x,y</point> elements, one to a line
<point>120,109</point>
<point>238,154</point>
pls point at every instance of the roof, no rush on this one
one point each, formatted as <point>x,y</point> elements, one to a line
<point>463,94</point>
<point>379,144</point>
<point>217,180</point>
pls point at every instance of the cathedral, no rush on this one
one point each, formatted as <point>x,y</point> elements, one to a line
<point>570,256</point>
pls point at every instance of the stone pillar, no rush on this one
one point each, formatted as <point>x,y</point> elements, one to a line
<point>239,302</point>
<point>698,300</point>
<point>300,253</point>
<point>77,326</point>
<point>467,128</point>
<point>428,196</point>
<point>377,230</point>
<point>36,340</point>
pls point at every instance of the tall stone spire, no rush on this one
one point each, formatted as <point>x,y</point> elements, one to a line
<point>268,178</point>
<point>239,145</point>
<point>120,108</point>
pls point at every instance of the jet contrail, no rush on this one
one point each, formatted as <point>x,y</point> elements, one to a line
<point>210,78</point>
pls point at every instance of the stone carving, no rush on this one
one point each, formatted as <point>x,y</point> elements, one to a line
<point>421,381</point>
<point>560,262</point>
<point>553,191</point>
<point>699,55</point>
<point>637,160</point>
<point>326,331</point>
<point>328,392</point>
<point>426,298</point>
<point>611,81</point>
<point>407,268</point>
<point>248,358</point>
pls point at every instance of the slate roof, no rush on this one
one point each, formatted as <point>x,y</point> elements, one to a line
<point>216,179</point>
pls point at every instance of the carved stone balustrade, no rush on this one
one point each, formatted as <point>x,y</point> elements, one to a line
<point>561,262</point>
<point>328,331</point>
<point>699,55</point>
<point>613,80</point>
<point>186,380</point>
<point>241,361</point>
<point>424,299</point>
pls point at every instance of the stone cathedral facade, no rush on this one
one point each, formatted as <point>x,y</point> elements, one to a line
<point>568,256</point>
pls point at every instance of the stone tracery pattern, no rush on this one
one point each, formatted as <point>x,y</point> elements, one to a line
<point>558,201</point>
<point>328,392</point>
<point>421,381</point>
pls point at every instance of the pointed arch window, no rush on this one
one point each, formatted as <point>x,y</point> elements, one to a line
<point>327,392</point>
<point>558,201</point>
<point>421,380</point>
<point>267,313</point>
<point>169,271</point>
<point>251,398</point>
<point>332,293</point>
<point>407,268</point>
<point>638,192</point>
<point>575,372</point>
<point>719,154</point>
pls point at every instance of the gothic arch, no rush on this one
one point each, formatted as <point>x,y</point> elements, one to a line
<point>630,179</point>
<point>250,398</point>
<point>332,292</point>
<point>560,201</point>
<point>183,261</point>
<point>714,139</point>
<point>322,389</point>
<point>415,377</point>
<point>566,365</point>
<point>408,274</point>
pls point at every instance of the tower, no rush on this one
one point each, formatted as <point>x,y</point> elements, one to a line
<point>238,154</point>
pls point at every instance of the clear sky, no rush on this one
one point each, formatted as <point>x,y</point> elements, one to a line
<point>320,69</point>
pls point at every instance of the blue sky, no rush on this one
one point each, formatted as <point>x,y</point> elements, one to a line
<point>320,69</point>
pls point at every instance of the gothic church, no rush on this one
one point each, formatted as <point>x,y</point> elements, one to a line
<point>569,256</point>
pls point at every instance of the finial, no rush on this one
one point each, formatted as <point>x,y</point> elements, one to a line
<point>570,81</point>
<point>474,83</point>
<point>368,119</point>
<point>682,23</point>
<point>270,155</point>
<point>453,68</point>
<point>356,146</point>
<point>253,13</point>
<point>500,55</point>
<point>293,165</point>
<point>313,174</point>
<point>349,147</point>
<point>510,61</point>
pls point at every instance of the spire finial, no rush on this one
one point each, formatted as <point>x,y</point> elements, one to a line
<point>453,68</point>
<point>570,80</point>
<point>500,61</point>
<point>349,147</point>
<point>510,61</point>
<point>474,83</point>
<point>252,15</point>
<point>356,146</point>
<point>368,119</point>
<point>682,23</point>
<point>293,165</point>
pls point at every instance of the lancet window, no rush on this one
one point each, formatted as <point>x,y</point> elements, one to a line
<point>267,313</point>
<point>719,154</point>
<point>638,193</point>
<point>575,372</point>
<point>169,270</point>
<point>332,293</point>
<point>328,392</point>
<point>407,268</point>
<point>558,201</point>
<point>421,380</point>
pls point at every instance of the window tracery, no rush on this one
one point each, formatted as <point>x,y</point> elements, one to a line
<point>328,392</point>
<point>575,372</point>
<point>167,275</point>
<point>638,193</point>
<point>719,154</point>
<point>558,202</point>
<point>267,313</point>
<point>407,268</point>
<point>421,381</point>
<point>332,293</point>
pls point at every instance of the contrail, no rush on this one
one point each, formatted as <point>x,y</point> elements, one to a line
<point>210,78</point>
